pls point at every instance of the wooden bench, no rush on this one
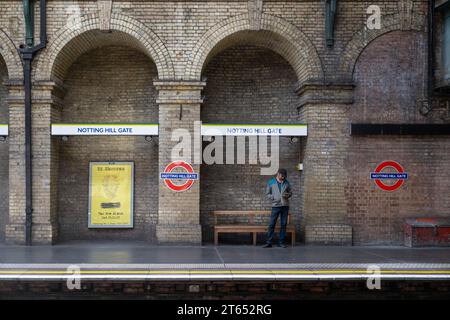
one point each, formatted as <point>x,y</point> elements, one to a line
<point>251,227</point>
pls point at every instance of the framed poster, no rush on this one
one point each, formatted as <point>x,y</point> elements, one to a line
<point>111,193</point>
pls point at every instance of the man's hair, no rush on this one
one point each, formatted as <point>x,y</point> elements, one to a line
<point>283,172</point>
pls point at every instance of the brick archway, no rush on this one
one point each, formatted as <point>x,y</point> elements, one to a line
<point>10,55</point>
<point>364,37</point>
<point>274,33</point>
<point>83,35</point>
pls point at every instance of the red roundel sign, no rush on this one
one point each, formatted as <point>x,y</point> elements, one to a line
<point>171,177</point>
<point>398,177</point>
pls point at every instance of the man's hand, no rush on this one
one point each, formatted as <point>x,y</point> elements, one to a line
<point>287,194</point>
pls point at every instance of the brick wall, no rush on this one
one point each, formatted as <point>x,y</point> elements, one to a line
<point>247,84</point>
<point>186,40</point>
<point>439,70</point>
<point>108,85</point>
<point>390,86</point>
<point>390,83</point>
<point>4,152</point>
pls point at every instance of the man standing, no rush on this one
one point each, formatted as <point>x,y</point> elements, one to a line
<point>278,190</point>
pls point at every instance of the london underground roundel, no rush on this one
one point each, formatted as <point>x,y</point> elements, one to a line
<point>399,176</point>
<point>177,180</point>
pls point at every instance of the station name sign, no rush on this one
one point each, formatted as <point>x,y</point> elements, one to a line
<point>98,129</point>
<point>3,130</point>
<point>104,129</point>
<point>290,130</point>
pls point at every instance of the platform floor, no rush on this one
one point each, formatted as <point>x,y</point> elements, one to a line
<point>139,260</point>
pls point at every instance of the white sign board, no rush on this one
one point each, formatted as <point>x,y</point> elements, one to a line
<point>3,130</point>
<point>290,130</point>
<point>104,129</point>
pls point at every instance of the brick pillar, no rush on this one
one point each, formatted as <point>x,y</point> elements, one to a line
<point>325,110</point>
<point>47,103</point>
<point>15,224</point>
<point>179,212</point>
<point>45,110</point>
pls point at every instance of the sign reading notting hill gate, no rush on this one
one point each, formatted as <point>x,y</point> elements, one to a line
<point>111,187</point>
<point>101,129</point>
<point>398,177</point>
<point>170,176</point>
<point>294,130</point>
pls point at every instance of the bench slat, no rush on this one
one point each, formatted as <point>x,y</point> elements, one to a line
<point>260,226</point>
<point>241,213</point>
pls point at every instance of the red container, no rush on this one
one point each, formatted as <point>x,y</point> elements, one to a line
<point>422,232</point>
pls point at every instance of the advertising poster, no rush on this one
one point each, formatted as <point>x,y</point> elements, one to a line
<point>111,187</point>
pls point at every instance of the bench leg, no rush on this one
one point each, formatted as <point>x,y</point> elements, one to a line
<point>216,238</point>
<point>254,238</point>
<point>293,238</point>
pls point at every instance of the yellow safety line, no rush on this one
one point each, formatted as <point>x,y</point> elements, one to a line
<point>366,271</point>
<point>88,272</point>
<point>224,272</point>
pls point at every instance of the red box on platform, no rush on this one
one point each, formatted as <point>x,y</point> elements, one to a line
<point>421,232</point>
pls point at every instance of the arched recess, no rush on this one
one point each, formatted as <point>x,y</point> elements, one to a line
<point>395,22</point>
<point>10,69</point>
<point>73,40</point>
<point>275,34</point>
<point>11,57</point>
<point>106,77</point>
<point>4,151</point>
<point>112,84</point>
<point>388,70</point>
<point>251,78</point>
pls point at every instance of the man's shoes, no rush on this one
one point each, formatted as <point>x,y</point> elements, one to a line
<point>281,245</point>
<point>267,245</point>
